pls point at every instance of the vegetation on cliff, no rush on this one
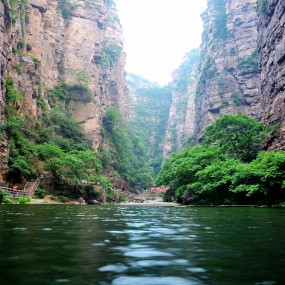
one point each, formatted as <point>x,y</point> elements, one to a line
<point>54,145</point>
<point>228,168</point>
<point>150,110</point>
<point>123,153</point>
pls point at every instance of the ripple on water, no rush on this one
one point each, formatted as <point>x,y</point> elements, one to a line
<point>20,229</point>
<point>47,229</point>
<point>126,280</point>
<point>155,263</point>
<point>197,270</point>
<point>143,253</point>
<point>118,268</point>
<point>62,280</point>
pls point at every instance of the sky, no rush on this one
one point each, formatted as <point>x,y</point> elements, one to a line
<point>158,33</point>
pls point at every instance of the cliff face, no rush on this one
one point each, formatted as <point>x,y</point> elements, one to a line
<point>149,110</point>
<point>181,119</point>
<point>272,58</point>
<point>45,42</point>
<point>229,71</point>
<point>3,140</point>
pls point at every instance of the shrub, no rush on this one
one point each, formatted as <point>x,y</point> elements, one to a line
<point>249,62</point>
<point>7,200</point>
<point>111,54</point>
<point>40,193</point>
<point>24,200</point>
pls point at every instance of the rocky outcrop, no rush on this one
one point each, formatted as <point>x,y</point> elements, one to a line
<point>229,71</point>
<point>181,119</point>
<point>272,59</point>
<point>94,44</point>
<point>45,42</point>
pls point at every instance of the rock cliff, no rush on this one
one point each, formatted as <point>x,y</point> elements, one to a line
<point>45,42</point>
<point>272,60</point>
<point>229,71</point>
<point>181,119</point>
<point>149,111</point>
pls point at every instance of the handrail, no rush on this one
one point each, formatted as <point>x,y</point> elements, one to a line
<point>14,193</point>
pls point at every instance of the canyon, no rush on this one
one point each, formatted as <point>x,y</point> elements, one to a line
<point>239,68</point>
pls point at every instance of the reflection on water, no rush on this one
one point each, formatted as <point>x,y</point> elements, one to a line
<point>123,245</point>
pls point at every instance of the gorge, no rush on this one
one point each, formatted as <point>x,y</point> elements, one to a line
<point>65,95</point>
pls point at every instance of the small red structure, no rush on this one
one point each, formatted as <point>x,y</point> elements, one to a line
<point>158,190</point>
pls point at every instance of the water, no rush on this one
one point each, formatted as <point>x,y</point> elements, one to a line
<point>126,245</point>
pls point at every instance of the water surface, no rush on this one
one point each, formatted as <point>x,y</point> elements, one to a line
<point>128,245</point>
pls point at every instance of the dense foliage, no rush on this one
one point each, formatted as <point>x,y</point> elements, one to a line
<point>53,144</point>
<point>126,155</point>
<point>229,168</point>
<point>149,117</point>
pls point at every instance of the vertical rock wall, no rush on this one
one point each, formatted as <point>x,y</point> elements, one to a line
<point>229,71</point>
<point>44,42</point>
<point>181,119</point>
<point>272,58</point>
<point>3,140</point>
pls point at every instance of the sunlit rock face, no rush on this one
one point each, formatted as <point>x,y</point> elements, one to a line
<point>272,51</point>
<point>181,119</point>
<point>66,37</point>
<point>229,71</point>
<point>48,41</point>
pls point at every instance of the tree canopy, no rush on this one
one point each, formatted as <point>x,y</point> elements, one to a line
<point>228,168</point>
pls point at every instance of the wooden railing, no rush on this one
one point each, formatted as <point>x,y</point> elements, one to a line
<point>14,194</point>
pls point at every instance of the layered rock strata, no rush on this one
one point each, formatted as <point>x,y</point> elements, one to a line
<point>272,60</point>
<point>45,42</point>
<point>181,119</point>
<point>229,71</point>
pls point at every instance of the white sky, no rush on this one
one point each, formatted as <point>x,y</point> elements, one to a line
<point>158,33</point>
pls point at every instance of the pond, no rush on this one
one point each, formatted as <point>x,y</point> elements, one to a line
<point>129,245</point>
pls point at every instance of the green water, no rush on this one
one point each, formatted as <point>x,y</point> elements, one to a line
<point>125,245</point>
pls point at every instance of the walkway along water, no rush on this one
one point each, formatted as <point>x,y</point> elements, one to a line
<point>28,191</point>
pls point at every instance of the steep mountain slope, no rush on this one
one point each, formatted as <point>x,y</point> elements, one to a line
<point>47,42</point>
<point>181,119</point>
<point>229,71</point>
<point>149,109</point>
<point>272,60</point>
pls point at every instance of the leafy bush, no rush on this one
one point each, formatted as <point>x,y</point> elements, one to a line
<point>12,95</point>
<point>24,200</point>
<point>7,200</point>
<point>40,193</point>
<point>111,54</point>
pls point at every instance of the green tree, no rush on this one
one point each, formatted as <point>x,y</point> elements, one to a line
<point>179,171</point>
<point>264,176</point>
<point>238,136</point>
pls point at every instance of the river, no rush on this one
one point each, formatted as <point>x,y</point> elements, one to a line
<point>129,245</point>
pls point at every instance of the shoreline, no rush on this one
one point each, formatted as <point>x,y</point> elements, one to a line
<point>50,200</point>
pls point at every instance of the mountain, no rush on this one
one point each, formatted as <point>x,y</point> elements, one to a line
<point>181,119</point>
<point>229,72</point>
<point>65,54</point>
